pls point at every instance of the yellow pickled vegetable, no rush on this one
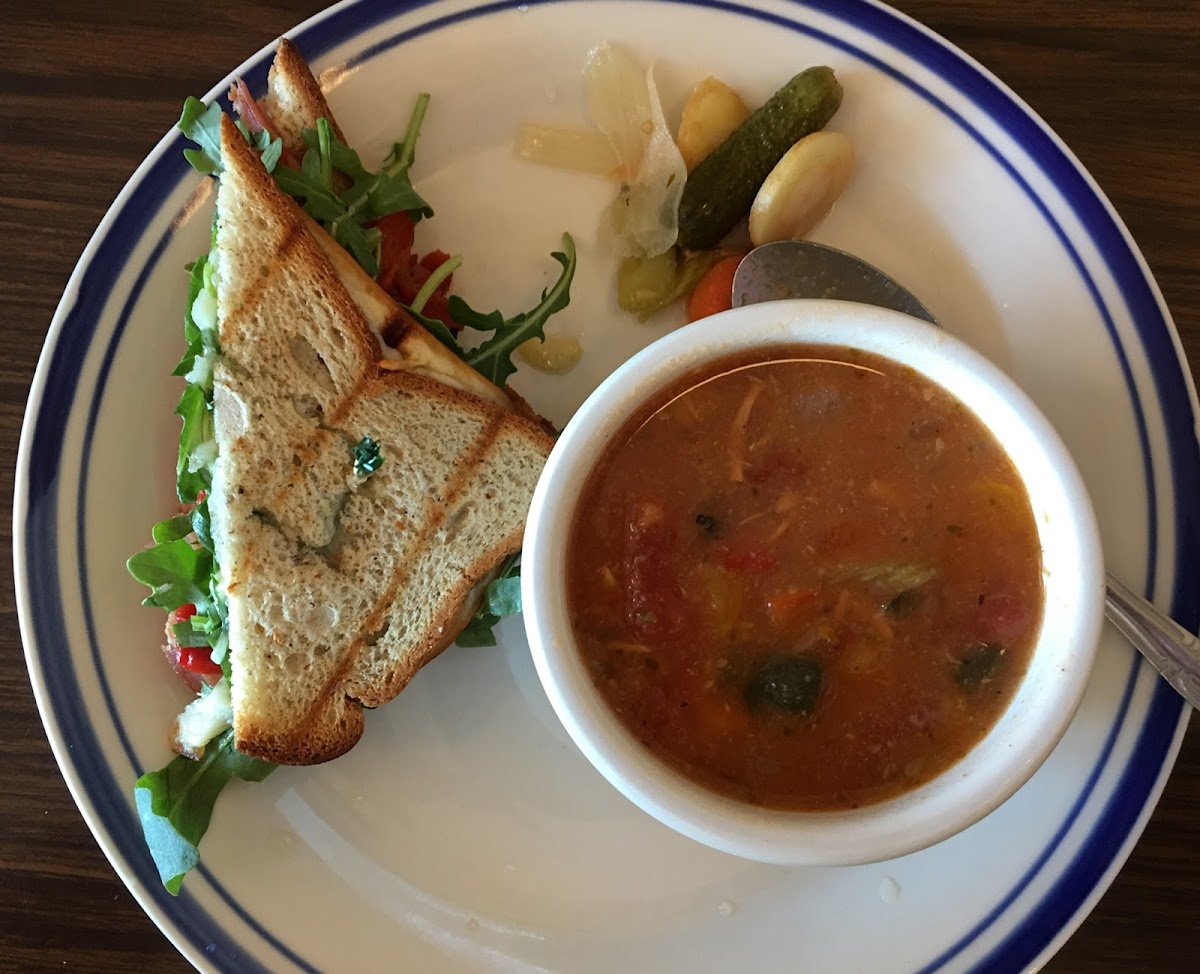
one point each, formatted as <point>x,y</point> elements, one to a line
<point>712,111</point>
<point>802,188</point>
<point>555,355</point>
<point>577,149</point>
<point>645,285</point>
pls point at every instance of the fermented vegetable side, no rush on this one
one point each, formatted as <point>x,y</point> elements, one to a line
<point>722,187</point>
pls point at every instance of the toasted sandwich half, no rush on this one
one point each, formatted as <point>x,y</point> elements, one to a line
<point>356,510</point>
<point>294,102</point>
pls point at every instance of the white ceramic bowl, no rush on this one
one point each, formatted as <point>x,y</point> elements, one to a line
<point>1022,737</point>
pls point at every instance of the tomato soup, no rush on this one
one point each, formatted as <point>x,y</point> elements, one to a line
<point>807,577</point>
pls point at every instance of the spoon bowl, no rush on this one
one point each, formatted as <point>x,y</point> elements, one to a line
<point>788,269</point>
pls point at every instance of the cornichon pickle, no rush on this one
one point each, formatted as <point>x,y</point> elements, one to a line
<point>721,188</point>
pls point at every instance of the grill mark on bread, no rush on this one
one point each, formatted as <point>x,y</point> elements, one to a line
<point>436,514</point>
<point>248,300</point>
<point>395,327</point>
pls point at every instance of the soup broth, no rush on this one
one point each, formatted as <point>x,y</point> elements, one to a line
<point>807,578</point>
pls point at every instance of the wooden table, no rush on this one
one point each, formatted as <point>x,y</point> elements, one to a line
<point>87,89</point>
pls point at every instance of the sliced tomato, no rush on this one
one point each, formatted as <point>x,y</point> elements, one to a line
<point>654,604</point>
<point>748,558</point>
<point>1002,617</point>
<point>395,253</point>
<point>193,664</point>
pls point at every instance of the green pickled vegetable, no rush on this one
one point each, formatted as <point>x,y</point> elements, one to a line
<point>722,187</point>
<point>646,285</point>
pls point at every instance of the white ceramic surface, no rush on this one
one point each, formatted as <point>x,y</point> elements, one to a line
<point>466,832</point>
<point>1024,734</point>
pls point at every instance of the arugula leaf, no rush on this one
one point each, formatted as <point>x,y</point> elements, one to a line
<point>504,594</point>
<point>438,330</point>
<point>175,804</point>
<point>501,598</point>
<point>369,196</point>
<point>478,632</point>
<point>201,524</point>
<point>494,357</point>
<point>191,331</point>
<point>176,572</point>
<point>978,665</point>
<point>188,635</point>
<point>270,150</point>
<point>197,428</point>
<point>172,529</point>
<point>328,209</point>
<point>202,124</point>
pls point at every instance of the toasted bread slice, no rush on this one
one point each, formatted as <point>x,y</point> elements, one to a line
<point>340,586</point>
<point>294,100</point>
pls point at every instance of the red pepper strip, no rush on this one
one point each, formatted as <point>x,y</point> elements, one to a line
<point>395,253</point>
<point>401,274</point>
<point>785,606</point>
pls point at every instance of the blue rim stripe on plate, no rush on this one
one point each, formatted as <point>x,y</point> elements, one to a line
<point>1057,908</point>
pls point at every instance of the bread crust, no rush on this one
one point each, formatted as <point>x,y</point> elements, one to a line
<point>294,99</point>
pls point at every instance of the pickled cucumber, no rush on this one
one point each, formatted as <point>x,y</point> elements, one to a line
<point>722,187</point>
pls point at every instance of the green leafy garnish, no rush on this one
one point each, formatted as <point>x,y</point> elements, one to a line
<point>176,572</point>
<point>369,196</point>
<point>434,281</point>
<point>903,604</point>
<point>791,684</point>
<point>978,665</point>
<point>191,331</point>
<point>493,358</point>
<point>438,330</point>
<point>367,458</point>
<point>202,124</point>
<point>502,598</point>
<point>175,804</point>
<point>173,528</point>
<point>201,524</point>
<point>196,412</point>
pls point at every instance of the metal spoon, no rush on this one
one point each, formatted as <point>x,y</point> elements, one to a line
<point>802,269</point>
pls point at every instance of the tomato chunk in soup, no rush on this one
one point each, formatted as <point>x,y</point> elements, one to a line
<point>808,579</point>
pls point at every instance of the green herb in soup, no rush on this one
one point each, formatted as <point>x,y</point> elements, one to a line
<point>808,579</point>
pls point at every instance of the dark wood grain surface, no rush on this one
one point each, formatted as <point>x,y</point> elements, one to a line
<point>86,89</point>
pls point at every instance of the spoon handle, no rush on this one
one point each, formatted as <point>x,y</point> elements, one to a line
<point>1173,650</point>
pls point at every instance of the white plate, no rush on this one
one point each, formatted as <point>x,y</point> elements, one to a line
<point>465,832</point>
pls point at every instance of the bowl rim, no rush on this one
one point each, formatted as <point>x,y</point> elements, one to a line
<point>966,791</point>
